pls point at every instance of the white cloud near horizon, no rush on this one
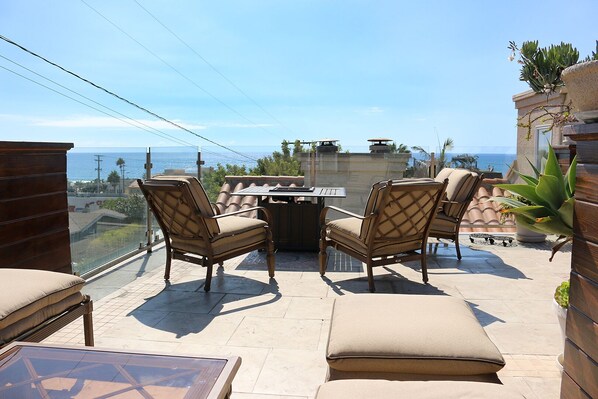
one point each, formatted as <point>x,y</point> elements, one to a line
<point>240,125</point>
<point>107,122</point>
<point>372,110</point>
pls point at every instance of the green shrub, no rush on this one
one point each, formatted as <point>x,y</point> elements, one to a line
<point>561,295</point>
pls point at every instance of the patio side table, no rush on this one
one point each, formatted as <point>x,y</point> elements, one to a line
<point>295,224</point>
<point>31,371</point>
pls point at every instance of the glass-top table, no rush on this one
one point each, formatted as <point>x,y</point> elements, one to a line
<point>31,371</point>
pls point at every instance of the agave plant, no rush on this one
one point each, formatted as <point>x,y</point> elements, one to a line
<point>545,202</point>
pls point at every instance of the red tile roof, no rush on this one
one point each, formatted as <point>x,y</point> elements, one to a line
<point>482,215</point>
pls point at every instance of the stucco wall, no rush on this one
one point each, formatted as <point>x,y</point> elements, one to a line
<point>527,147</point>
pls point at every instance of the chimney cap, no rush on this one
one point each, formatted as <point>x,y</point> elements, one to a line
<point>327,141</point>
<point>379,141</point>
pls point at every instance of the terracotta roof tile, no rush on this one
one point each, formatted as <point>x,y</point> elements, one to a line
<point>482,215</point>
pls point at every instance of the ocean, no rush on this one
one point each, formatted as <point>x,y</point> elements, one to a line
<point>84,165</point>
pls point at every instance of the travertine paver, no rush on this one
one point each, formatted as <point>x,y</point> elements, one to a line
<point>280,326</point>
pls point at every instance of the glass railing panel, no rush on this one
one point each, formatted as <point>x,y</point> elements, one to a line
<point>107,214</point>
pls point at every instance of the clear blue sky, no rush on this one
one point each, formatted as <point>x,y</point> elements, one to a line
<point>413,71</point>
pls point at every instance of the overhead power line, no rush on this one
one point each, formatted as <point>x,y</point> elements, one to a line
<point>213,67</point>
<point>120,97</point>
<point>194,83</point>
<point>134,123</point>
<point>89,106</point>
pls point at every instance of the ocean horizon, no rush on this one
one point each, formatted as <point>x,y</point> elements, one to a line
<point>83,165</point>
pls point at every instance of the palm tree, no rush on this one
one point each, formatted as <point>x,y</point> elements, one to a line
<point>113,179</point>
<point>121,164</point>
<point>399,148</point>
<point>441,160</point>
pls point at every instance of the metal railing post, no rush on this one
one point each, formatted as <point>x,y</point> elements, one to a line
<point>199,163</point>
<point>148,175</point>
<point>432,165</point>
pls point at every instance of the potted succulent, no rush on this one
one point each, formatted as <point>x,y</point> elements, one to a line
<point>544,203</point>
<point>561,304</point>
<point>548,69</point>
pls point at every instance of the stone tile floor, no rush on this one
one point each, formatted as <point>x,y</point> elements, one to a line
<point>279,326</point>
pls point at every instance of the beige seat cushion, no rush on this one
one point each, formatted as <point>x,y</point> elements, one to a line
<point>414,334</point>
<point>30,297</point>
<point>235,233</point>
<point>380,389</point>
<point>346,231</point>
<point>443,224</point>
<point>461,182</point>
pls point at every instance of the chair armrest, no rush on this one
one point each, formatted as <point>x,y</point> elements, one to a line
<point>215,208</point>
<point>266,213</point>
<point>334,208</point>
<point>327,208</point>
<point>450,202</point>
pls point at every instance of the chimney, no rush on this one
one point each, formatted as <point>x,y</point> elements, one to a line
<point>327,146</point>
<point>379,146</point>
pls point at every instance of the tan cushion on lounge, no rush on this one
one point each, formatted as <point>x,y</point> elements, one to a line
<point>21,326</point>
<point>418,334</point>
<point>381,389</point>
<point>199,195</point>
<point>29,297</point>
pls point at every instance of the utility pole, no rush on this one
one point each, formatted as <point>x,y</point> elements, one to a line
<point>199,163</point>
<point>99,169</point>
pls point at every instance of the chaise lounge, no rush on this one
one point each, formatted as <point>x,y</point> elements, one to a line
<point>34,304</point>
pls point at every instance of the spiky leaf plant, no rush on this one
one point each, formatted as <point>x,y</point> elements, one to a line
<point>545,202</point>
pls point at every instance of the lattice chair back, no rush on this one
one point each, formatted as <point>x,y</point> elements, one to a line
<point>181,206</point>
<point>403,212</point>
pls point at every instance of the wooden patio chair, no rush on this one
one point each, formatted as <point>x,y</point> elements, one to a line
<point>462,186</point>
<point>394,226</point>
<point>194,233</point>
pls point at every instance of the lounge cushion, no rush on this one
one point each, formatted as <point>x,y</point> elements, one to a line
<point>414,334</point>
<point>30,297</point>
<point>381,389</point>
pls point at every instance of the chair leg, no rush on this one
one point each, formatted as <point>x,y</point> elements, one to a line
<point>208,263</point>
<point>88,329</point>
<point>88,322</point>
<point>270,252</point>
<point>168,261</point>
<point>370,270</point>
<point>457,246</point>
<point>323,257</point>
<point>424,265</point>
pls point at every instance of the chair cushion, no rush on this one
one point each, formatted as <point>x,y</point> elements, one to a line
<point>235,233</point>
<point>443,224</point>
<point>199,195</point>
<point>346,232</point>
<point>238,232</point>
<point>381,389</point>
<point>415,334</point>
<point>30,297</point>
<point>461,182</point>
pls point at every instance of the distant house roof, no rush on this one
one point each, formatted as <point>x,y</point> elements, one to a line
<point>81,221</point>
<point>482,215</point>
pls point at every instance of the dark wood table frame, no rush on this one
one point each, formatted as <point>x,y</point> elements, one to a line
<point>295,215</point>
<point>31,371</point>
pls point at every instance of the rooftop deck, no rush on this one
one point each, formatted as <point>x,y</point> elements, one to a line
<point>279,327</point>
